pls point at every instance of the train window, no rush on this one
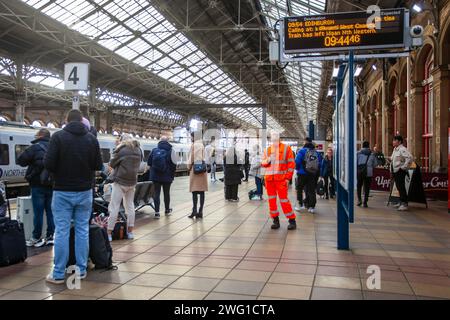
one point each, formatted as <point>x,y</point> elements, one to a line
<point>4,155</point>
<point>19,149</point>
<point>146,155</point>
<point>106,155</point>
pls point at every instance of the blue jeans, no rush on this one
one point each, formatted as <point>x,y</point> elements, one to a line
<point>67,206</point>
<point>259,186</point>
<point>41,198</point>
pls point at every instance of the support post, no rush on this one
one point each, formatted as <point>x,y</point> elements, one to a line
<point>264,128</point>
<point>409,115</point>
<point>75,100</point>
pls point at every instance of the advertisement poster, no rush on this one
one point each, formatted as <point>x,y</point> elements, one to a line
<point>343,136</point>
<point>435,185</point>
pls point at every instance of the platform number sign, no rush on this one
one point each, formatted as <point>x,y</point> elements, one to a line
<point>76,76</point>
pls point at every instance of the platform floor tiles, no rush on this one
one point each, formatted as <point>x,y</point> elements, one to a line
<point>233,254</point>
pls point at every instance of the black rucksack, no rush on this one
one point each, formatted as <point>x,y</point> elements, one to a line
<point>100,250</point>
<point>45,177</point>
<point>159,160</point>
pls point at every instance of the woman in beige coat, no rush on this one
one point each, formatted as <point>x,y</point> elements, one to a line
<point>198,183</point>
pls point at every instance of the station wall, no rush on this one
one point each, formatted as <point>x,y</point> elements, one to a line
<point>382,102</point>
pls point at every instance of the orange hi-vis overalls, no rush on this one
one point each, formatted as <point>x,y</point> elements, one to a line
<point>278,167</point>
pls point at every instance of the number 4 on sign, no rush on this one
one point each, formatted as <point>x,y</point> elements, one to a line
<point>73,76</point>
<point>76,76</point>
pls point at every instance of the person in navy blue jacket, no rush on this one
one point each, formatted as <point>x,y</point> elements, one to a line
<point>307,163</point>
<point>162,173</point>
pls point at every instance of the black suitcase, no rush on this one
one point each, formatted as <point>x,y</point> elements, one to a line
<point>13,248</point>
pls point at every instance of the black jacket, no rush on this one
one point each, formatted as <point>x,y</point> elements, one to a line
<point>33,157</point>
<point>233,171</point>
<point>73,157</point>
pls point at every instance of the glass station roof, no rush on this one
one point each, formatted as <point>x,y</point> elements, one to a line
<point>137,31</point>
<point>304,78</point>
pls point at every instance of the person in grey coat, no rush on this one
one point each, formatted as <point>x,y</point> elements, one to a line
<point>125,162</point>
<point>366,162</point>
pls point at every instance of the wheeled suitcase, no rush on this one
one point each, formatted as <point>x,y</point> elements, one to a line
<point>13,248</point>
<point>25,215</point>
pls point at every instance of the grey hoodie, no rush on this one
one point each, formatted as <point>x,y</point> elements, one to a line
<point>361,158</point>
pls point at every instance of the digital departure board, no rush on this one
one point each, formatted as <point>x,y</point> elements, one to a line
<point>346,31</point>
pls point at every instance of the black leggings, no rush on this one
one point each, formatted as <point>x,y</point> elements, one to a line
<point>195,201</point>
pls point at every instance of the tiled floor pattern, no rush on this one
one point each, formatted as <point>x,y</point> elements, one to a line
<point>233,254</point>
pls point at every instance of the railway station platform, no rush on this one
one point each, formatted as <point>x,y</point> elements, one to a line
<point>232,254</point>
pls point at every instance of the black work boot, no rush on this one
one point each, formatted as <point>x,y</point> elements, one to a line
<point>276,223</point>
<point>292,224</point>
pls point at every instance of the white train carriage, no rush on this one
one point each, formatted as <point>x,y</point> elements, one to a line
<point>15,138</point>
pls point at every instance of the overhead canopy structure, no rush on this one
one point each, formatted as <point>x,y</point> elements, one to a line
<point>169,53</point>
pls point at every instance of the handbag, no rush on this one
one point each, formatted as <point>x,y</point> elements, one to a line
<point>200,168</point>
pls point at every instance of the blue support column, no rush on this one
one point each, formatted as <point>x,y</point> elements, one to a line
<point>312,130</point>
<point>345,193</point>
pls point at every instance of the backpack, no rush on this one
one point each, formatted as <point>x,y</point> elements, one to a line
<point>312,162</point>
<point>100,250</point>
<point>159,161</point>
<point>120,231</point>
<point>362,168</point>
<point>45,177</point>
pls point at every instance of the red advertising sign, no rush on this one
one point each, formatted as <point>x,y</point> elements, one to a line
<point>434,184</point>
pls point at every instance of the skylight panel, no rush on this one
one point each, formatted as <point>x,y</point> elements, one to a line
<point>176,57</point>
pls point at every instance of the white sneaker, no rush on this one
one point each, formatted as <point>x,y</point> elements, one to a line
<point>35,243</point>
<point>110,239</point>
<point>298,208</point>
<point>311,210</point>
<point>403,208</point>
<point>397,205</point>
<point>32,242</point>
<point>52,280</point>
<point>130,235</point>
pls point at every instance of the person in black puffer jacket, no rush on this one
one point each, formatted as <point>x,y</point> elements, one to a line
<point>233,174</point>
<point>41,192</point>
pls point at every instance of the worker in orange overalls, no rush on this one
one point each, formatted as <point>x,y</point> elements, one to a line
<point>278,168</point>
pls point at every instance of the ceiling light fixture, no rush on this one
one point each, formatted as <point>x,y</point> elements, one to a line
<point>358,70</point>
<point>417,8</point>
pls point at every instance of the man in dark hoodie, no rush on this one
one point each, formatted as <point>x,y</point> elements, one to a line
<point>162,163</point>
<point>41,191</point>
<point>366,162</point>
<point>307,164</point>
<point>73,157</point>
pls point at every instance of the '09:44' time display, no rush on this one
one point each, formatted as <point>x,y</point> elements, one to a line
<point>333,41</point>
